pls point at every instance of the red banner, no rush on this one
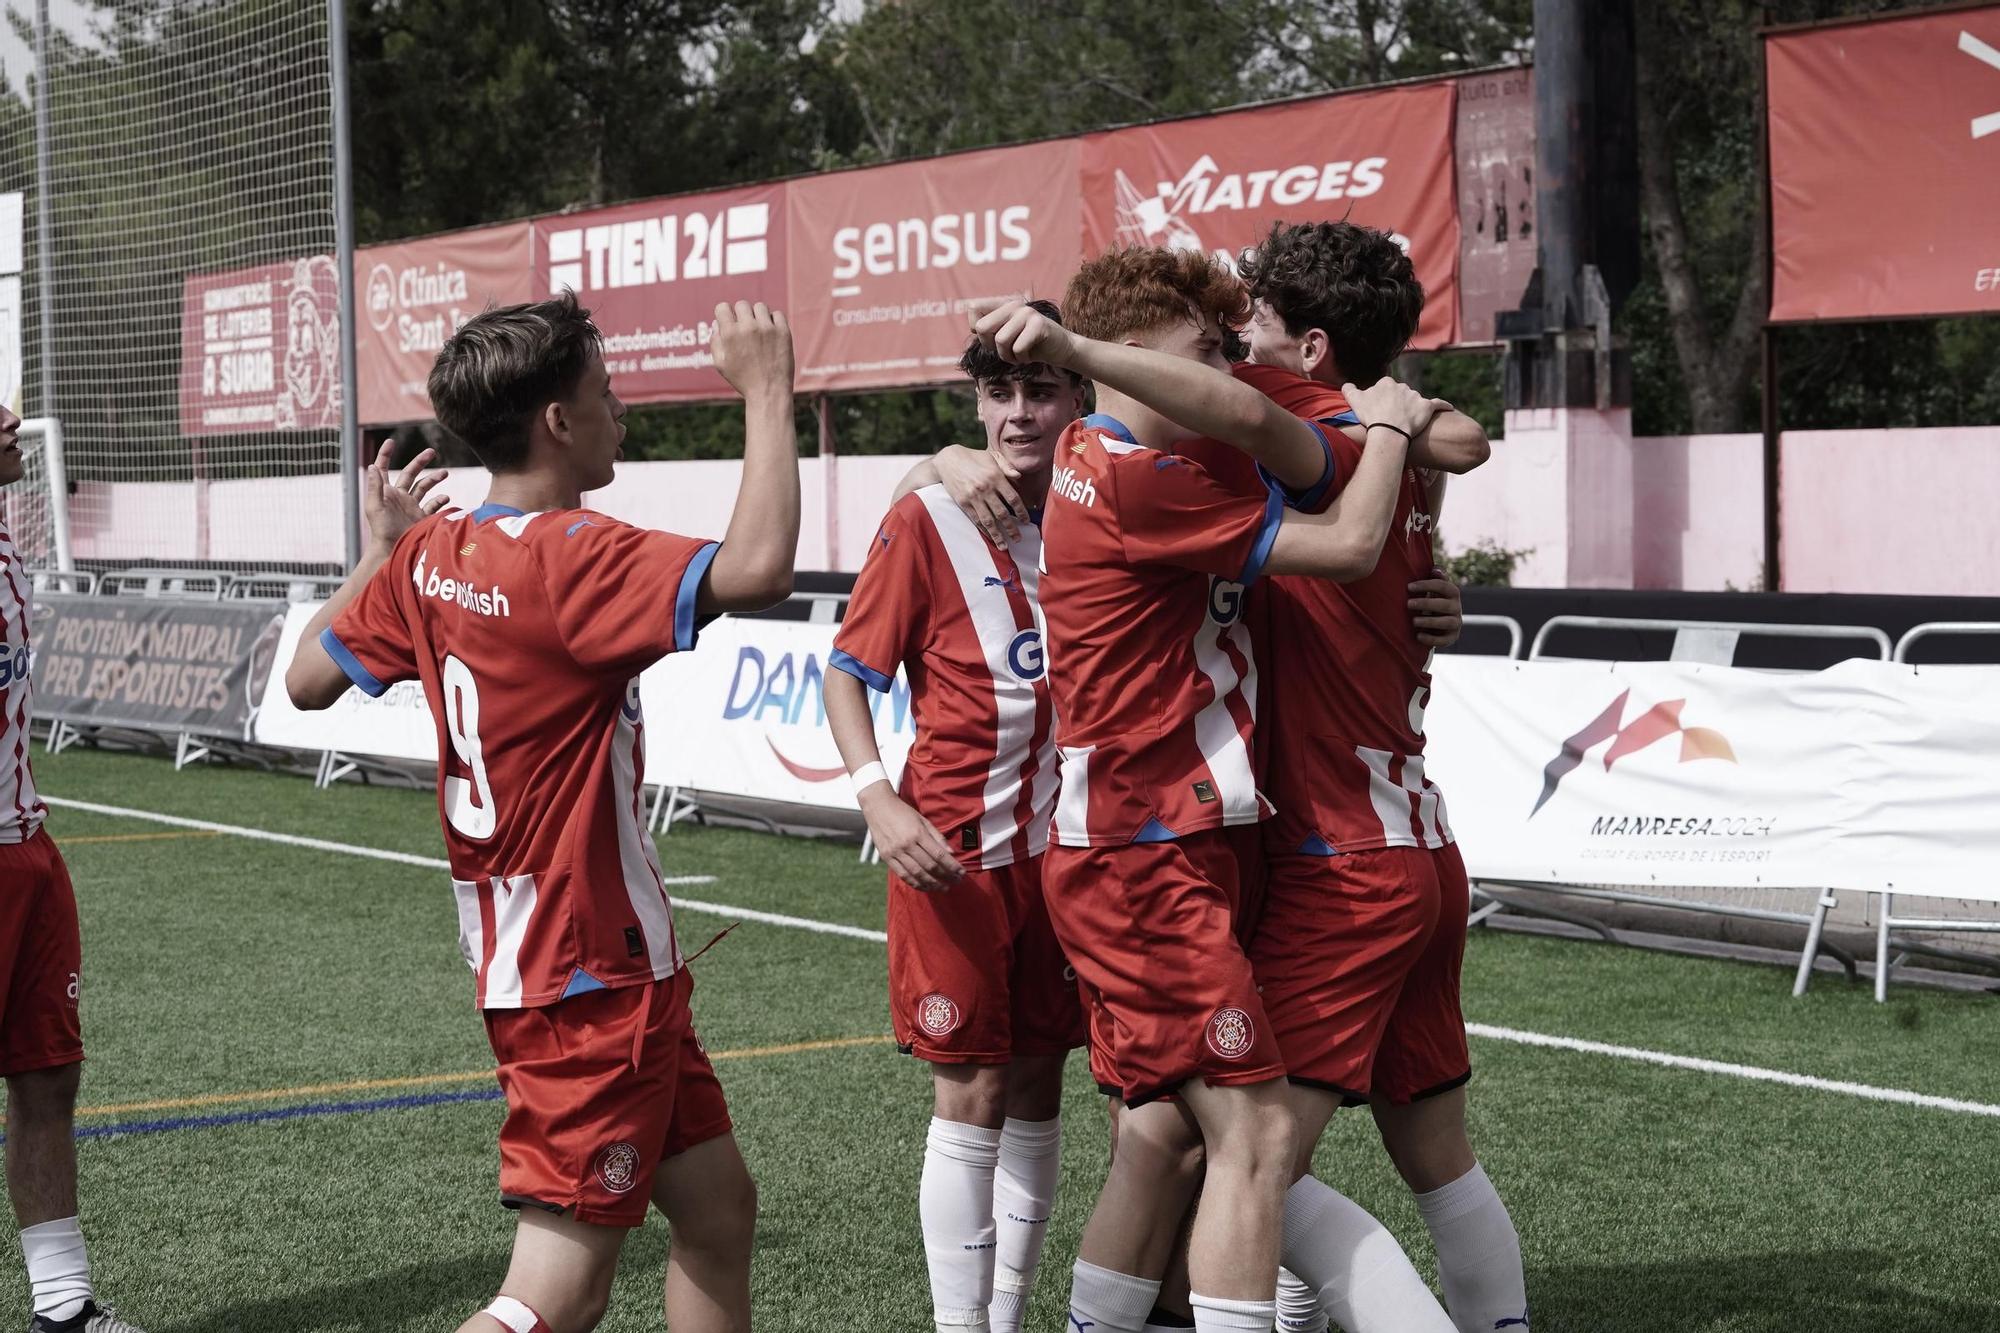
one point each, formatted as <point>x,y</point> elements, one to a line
<point>1495,149</point>
<point>260,349</point>
<point>651,274</point>
<point>1885,167</point>
<point>1219,182</point>
<point>886,260</point>
<point>412,295</point>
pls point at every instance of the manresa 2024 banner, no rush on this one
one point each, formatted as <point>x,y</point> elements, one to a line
<point>1217,183</point>
<point>888,261</point>
<point>1885,167</point>
<point>652,273</point>
<point>413,295</point>
<point>155,665</point>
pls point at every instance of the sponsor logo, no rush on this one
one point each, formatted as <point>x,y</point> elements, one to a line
<point>668,247</point>
<point>1652,726</point>
<point>1204,791</point>
<point>468,548</point>
<point>997,581</point>
<point>1225,601</point>
<point>618,1168</point>
<point>1024,655</point>
<point>1418,521</point>
<point>454,592</point>
<point>1231,1034</point>
<point>579,526</point>
<point>1167,216</point>
<point>785,694</point>
<point>1080,490</point>
<point>629,706</point>
<point>938,1014</point>
<point>946,240</point>
<point>1985,55</point>
<point>968,837</point>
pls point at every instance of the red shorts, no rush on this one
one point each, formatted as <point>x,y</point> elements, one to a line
<point>41,959</point>
<point>1150,928</point>
<point>975,974</point>
<point>1359,956</point>
<point>601,1088</point>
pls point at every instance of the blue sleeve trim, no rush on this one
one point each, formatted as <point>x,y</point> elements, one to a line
<point>1309,498</point>
<point>362,677</point>
<point>861,671</point>
<point>1267,535</point>
<point>685,630</point>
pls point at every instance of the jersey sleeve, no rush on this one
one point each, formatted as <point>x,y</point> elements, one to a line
<point>1325,409</point>
<point>370,638</point>
<point>622,597</point>
<point>1171,511</point>
<point>1343,455</point>
<point>888,612</point>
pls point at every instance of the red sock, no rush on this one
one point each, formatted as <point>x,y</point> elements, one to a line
<point>516,1317</point>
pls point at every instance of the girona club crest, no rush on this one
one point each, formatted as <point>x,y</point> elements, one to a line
<point>1231,1034</point>
<point>937,1014</point>
<point>618,1168</point>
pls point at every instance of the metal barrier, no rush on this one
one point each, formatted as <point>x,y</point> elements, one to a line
<point>1515,634</point>
<point>1935,628</point>
<point>43,579</point>
<point>276,585</point>
<point>1710,641</point>
<point>209,584</point>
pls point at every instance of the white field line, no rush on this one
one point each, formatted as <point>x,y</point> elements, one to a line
<point>1753,1073</point>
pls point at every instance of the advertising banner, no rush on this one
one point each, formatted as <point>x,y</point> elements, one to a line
<point>1905,113</point>
<point>887,260</point>
<point>1218,183</point>
<point>1495,151</point>
<point>154,665</point>
<point>1868,776</point>
<point>395,725</point>
<point>260,348</point>
<point>651,274</point>
<point>413,295</point>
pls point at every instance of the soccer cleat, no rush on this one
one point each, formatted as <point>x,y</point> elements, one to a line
<point>93,1318</point>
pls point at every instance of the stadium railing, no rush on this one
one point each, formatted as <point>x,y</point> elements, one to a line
<point>1711,641</point>
<point>80,581</point>
<point>169,581</point>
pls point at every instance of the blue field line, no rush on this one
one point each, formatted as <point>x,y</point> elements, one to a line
<point>404,1103</point>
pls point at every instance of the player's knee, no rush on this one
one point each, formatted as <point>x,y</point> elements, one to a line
<point>726,1224</point>
<point>1166,1150</point>
<point>43,1097</point>
<point>970,1094</point>
<point>1262,1144</point>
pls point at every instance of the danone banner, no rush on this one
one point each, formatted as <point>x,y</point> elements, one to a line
<point>154,665</point>
<point>1869,776</point>
<point>1901,115</point>
<point>887,261</point>
<point>1218,183</point>
<point>414,294</point>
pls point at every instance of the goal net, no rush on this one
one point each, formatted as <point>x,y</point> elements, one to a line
<point>192,307</point>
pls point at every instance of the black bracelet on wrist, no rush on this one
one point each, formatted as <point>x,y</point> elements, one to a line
<point>1383,425</point>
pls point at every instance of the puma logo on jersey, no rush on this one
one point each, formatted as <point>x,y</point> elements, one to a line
<point>432,584</point>
<point>997,581</point>
<point>1069,486</point>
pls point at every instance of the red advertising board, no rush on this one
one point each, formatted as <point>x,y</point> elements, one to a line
<point>412,295</point>
<point>1885,167</point>
<point>652,272</point>
<point>1219,182</point>
<point>260,349</point>
<point>1495,149</point>
<point>886,261</point>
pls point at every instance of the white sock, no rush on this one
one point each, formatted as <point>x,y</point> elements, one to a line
<point>1212,1314</point>
<point>1101,1301</point>
<point>955,1203</point>
<point>1365,1281</point>
<point>58,1269</point>
<point>1299,1310</point>
<point>1024,1192</point>
<point>1479,1254</point>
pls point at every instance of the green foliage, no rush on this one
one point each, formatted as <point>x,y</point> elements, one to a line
<point>1484,564</point>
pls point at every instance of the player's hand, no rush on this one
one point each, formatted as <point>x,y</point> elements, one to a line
<point>1021,334</point>
<point>752,347</point>
<point>981,483</point>
<point>912,848</point>
<point>393,502</point>
<point>1387,402</point>
<point>1436,610</point>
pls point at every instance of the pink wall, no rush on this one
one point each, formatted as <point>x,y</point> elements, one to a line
<point>1891,510</point>
<point>1698,512</point>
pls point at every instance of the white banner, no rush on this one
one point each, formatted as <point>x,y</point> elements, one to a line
<point>742,715</point>
<point>1869,776</point>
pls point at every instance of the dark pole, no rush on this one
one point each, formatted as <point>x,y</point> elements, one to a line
<point>1563,184</point>
<point>1773,570</point>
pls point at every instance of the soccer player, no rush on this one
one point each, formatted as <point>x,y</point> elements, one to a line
<point>1146,560</point>
<point>978,985</point>
<point>1363,925</point>
<point>529,620</point>
<point>41,962</point>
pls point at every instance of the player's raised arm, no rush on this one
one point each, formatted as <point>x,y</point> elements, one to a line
<point>753,567</point>
<point>1200,398</point>
<point>392,504</point>
<point>1345,542</point>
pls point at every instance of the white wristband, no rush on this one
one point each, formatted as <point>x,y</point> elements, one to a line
<point>867,776</point>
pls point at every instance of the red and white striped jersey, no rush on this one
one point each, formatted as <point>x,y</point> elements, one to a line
<point>936,596</point>
<point>1349,681</point>
<point>529,632</point>
<point>1146,557</point>
<point>21,810</point>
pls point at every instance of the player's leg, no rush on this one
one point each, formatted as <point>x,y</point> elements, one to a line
<point>1156,1170</point>
<point>559,1279</point>
<point>1024,1182</point>
<point>1419,1107</point>
<point>711,1207</point>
